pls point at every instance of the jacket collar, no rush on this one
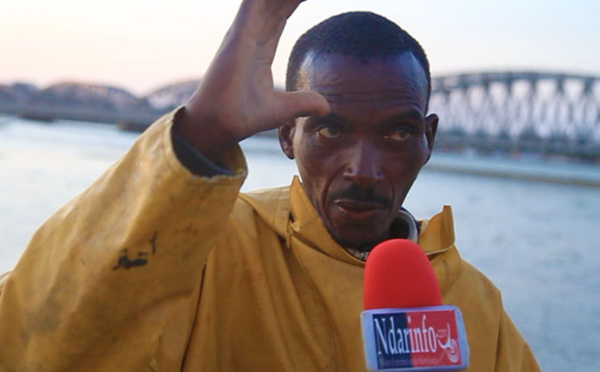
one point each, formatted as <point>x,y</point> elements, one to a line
<point>291,214</point>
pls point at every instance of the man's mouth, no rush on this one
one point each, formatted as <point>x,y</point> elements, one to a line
<point>359,212</point>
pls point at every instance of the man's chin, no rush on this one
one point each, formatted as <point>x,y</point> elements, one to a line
<point>360,237</point>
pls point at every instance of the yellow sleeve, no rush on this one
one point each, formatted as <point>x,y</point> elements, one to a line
<point>100,279</point>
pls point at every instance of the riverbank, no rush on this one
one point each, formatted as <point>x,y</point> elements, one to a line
<point>528,169</point>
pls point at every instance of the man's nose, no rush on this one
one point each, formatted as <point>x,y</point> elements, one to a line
<point>364,165</point>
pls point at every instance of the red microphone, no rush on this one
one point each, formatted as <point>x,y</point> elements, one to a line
<point>405,326</point>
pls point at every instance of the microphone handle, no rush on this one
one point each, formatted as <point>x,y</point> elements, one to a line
<point>415,339</point>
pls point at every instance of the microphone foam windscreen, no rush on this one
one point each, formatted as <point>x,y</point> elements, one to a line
<point>398,275</point>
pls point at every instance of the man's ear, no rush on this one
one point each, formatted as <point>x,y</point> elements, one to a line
<point>286,137</point>
<point>431,125</point>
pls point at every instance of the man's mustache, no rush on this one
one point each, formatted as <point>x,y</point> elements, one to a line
<point>353,192</point>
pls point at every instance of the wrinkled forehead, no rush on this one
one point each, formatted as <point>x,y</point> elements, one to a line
<point>345,77</point>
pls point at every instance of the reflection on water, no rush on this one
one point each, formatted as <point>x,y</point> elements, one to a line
<point>535,240</point>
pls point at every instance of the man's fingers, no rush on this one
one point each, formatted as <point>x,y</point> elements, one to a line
<point>276,8</point>
<point>260,18</point>
<point>301,103</point>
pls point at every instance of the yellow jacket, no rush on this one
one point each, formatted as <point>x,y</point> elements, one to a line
<point>155,269</point>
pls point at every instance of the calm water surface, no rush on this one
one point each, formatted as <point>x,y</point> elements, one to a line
<point>537,241</point>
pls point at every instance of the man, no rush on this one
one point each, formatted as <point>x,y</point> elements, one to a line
<point>163,265</point>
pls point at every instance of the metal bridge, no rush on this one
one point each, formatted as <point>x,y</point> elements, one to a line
<point>549,113</point>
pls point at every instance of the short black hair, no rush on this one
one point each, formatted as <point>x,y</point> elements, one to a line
<point>356,34</point>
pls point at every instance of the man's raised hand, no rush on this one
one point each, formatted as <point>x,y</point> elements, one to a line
<point>236,97</point>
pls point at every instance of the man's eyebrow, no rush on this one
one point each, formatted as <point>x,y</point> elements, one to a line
<point>408,114</point>
<point>411,113</point>
<point>331,116</point>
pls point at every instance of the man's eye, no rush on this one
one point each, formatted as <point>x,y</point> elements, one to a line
<point>398,135</point>
<point>329,132</point>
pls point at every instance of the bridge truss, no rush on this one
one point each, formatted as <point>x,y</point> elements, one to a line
<point>519,111</point>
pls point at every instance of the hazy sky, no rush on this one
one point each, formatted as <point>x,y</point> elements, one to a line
<point>142,45</point>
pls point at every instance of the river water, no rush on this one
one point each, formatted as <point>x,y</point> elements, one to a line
<point>538,241</point>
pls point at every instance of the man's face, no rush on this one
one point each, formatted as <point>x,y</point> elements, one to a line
<point>358,162</point>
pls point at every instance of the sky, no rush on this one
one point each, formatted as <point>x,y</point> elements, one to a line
<point>144,45</point>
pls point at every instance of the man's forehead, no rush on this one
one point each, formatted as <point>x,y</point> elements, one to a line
<point>337,75</point>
